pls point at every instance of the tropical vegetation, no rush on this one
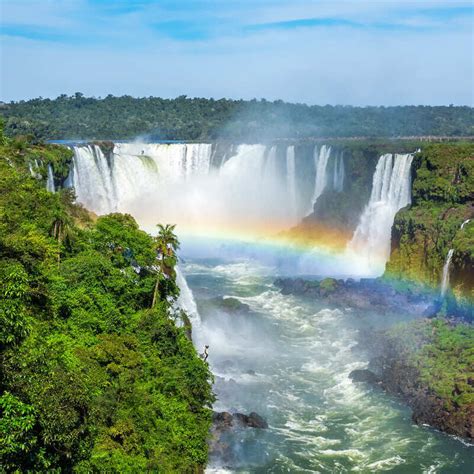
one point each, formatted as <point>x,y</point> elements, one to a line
<point>183,118</point>
<point>96,372</point>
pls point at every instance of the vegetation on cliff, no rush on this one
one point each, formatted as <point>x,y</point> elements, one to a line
<point>431,363</point>
<point>442,199</point>
<point>182,118</point>
<point>93,377</point>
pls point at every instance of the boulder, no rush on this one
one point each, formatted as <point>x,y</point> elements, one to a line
<point>364,375</point>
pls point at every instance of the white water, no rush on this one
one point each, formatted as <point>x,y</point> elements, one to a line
<point>391,191</point>
<point>50,180</point>
<point>338,176</point>
<point>321,158</point>
<point>445,277</point>
<point>289,360</point>
<point>291,180</point>
<point>464,223</point>
<point>251,189</point>
<point>447,265</point>
<point>185,300</point>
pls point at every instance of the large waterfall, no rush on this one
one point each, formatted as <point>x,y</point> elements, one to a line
<point>391,191</point>
<point>265,187</point>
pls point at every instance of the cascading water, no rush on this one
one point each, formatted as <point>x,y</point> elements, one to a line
<point>93,179</point>
<point>338,175</point>
<point>186,300</point>
<point>390,193</point>
<point>254,187</point>
<point>50,180</point>
<point>291,179</point>
<point>447,265</point>
<point>445,277</point>
<point>321,158</point>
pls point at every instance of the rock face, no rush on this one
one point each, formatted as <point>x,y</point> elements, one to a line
<point>401,372</point>
<point>440,218</point>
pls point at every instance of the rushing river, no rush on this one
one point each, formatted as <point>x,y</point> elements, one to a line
<point>288,359</point>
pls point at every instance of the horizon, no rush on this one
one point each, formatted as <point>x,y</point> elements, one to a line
<point>230,99</point>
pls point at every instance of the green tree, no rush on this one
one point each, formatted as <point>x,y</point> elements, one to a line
<point>167,244</point>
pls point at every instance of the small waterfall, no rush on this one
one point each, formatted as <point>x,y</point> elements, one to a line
<point>186,300</point>
<point>447,265</point>
<point>391,191</point>
<point>338,173</point>
<point>321,158</point>
<point>291,180</point>
<point>445,277</point>
<point>50,180</point>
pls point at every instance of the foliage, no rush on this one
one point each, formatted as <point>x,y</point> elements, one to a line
<point>91,378</point>
<point>182,118</point>
<point>443,355</point>
<point>443,184</point>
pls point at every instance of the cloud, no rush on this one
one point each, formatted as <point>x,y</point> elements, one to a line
<point>318,52</point>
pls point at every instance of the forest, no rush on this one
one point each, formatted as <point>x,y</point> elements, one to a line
<point>95,374</point>
<point>182,118</point>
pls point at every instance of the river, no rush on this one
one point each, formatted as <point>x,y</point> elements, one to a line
<point>288,359</point>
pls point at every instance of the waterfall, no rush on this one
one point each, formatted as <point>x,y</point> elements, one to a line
<point>93,180</point>
<point>321,158</point>
<point>186,300</point>
<point>175,183</point>
<point>445,277</point>
<point>291,179</point>
<point>391,191</point>
<point>338,173</point>
<point>50,180</point>
<point>447,265</point>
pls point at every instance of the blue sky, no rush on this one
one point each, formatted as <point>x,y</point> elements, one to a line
<point>338,52</point>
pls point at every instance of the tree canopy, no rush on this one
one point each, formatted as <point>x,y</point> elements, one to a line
<point>183,118</point>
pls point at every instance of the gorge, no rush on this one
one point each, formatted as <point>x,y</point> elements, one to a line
<point>232,204</point>
<point>322,217</point>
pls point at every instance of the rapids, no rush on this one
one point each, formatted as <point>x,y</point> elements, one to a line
<point>289,361</point>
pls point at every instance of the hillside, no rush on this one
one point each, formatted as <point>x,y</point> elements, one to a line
<point>94,374</point>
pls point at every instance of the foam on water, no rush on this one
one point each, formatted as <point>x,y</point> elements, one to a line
<point>301,356</point>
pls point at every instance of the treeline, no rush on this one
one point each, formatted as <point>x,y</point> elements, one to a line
<point>95,375</point>
<point>182,118</point>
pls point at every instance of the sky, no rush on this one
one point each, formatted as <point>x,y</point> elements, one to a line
<point>318,52</point>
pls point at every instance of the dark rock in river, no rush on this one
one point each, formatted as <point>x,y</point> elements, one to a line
<point>364,375</point>
<point>254,420</point>
<point>223,421</point>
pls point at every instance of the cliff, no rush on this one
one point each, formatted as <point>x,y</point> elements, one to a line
<point>422,234</point>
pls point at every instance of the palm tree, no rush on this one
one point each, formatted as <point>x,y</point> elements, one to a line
<point>166,246</point>
<point>60,229</point>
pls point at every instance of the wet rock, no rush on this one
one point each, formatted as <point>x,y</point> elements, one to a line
<point>228,305</point>
<point>222,421</point>
<point>364,375</point>
<point>254,420</point>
